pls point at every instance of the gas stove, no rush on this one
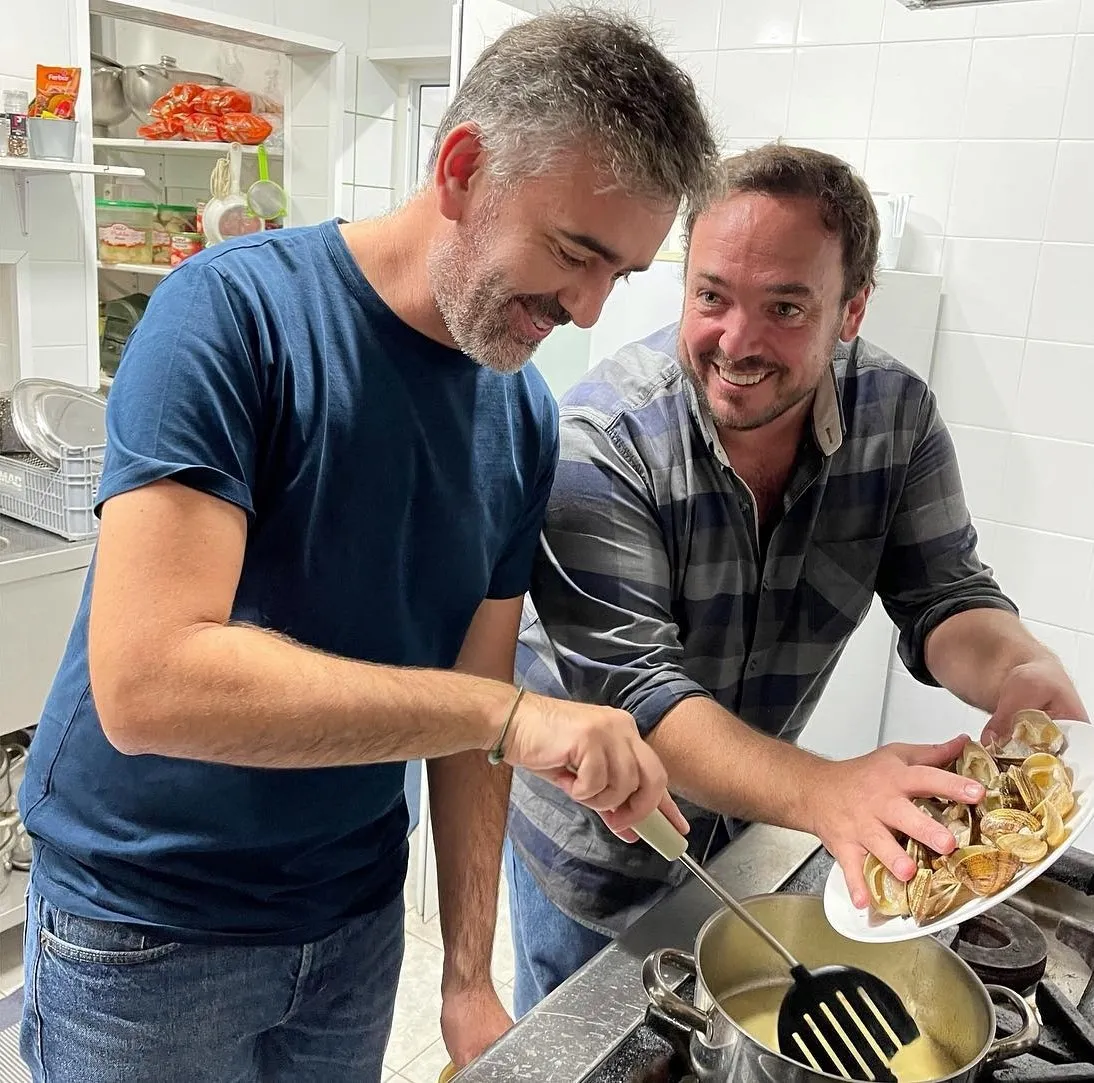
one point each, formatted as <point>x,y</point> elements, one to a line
<point>1040,943</point>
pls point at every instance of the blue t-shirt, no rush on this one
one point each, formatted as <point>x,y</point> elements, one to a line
<point>390,483</point>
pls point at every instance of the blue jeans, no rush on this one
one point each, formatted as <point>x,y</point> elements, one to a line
<point>548,946</point>
<point>112,1003</point>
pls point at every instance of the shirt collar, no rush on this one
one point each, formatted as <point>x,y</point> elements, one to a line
<point>828,422</point>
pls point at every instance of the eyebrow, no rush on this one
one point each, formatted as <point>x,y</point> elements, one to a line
<point>601,249</point>
<point>781,289</point>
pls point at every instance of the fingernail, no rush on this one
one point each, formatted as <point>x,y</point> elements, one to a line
<point>859,900</point>
<point>974,790</point>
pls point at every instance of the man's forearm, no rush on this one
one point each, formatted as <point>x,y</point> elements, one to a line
<point>721,763</point>
<point>971,653</point>
<point>244,696</point>
<point>469,802</point>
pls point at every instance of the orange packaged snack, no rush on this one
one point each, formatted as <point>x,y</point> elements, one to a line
<point>55,93</point>
<point>179,99</point>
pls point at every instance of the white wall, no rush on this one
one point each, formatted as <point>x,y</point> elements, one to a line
<point>368,174</point>
<point>986,114</point>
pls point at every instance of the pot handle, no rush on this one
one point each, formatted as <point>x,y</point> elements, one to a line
<point>1025,1038</point>
<point>662,997</point>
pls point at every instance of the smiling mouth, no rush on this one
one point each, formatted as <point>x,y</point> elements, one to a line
<point>537,325</point>
<point>742,379</point>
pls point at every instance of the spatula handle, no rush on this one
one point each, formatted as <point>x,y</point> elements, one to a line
<point>657,831</point>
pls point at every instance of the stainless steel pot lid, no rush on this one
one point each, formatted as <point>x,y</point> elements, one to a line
<point>49,415</point>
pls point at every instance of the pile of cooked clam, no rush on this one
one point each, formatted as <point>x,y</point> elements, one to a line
<point>1021,818</point>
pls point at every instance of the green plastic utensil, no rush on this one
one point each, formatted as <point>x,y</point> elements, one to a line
<point>266,198</point>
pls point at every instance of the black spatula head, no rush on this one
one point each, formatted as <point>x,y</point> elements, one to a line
<point>827,1015</point>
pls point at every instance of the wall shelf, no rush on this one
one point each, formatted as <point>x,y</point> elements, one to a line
<point>24,168</point>
<point>154,270</point>
<point>172,146</point>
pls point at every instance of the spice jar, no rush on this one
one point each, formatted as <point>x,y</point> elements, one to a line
<point>18,144</point>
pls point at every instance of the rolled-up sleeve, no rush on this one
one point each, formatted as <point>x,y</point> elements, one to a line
<point>930,569</point>
<point>602,582</point>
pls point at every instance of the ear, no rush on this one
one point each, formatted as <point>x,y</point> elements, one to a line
<point>461,156</point>
<point>853,313</point>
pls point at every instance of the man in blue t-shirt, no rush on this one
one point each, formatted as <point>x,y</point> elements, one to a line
<point>326,472</point>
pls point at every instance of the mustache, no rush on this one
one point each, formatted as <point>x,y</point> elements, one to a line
<point>752,365</point>
<point>545,306</point>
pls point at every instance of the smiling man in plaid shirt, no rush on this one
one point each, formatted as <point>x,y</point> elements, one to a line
<point>732,492</point>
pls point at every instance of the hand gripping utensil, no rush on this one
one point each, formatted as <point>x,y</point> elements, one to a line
<point>836,1019</point>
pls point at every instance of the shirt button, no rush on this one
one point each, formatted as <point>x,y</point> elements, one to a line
<point>752,665</point>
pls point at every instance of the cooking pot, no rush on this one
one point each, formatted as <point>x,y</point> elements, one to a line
<point>108,104</point>
<point>145,83</point>
<point>731,964</point>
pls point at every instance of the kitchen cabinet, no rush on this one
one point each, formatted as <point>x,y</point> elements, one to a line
<point>305,72</point>
<point>41,582</point>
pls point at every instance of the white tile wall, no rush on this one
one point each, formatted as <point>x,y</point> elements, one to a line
<point>909,104</point>
<point>774,22</point>
<point>986,115</point>
<point>900,24</point>
<point>831,91</point>
<point>741,110</point>
<point>976,378</point>
<point>825,23</point>
<point>1053,392</point>
<point>988,285</point>
<point>688,26</point>
<point>1070,208</point>
<point>1060,312</point>
<point>1031,17</point>
<point>1017,87</point>
<point>1001,189</point>
<point>923,167</point>
<point>1079,108</point>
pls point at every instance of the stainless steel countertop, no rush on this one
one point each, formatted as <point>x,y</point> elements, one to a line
<point>570,1032</point>
<point>30,551</point>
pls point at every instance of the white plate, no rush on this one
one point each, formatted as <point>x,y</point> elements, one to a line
<point>866,926</point>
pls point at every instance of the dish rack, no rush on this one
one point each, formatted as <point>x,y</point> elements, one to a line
<point>60,499</point>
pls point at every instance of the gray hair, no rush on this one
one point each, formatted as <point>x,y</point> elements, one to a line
<point>593,82</point>
<point>842,197</point>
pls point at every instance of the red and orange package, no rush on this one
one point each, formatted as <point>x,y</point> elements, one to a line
<point>55,93</point>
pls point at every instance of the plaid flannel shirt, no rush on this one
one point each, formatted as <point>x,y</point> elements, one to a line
<point>650,585</point>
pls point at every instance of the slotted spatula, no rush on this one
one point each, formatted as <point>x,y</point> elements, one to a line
<point>846,1020</point>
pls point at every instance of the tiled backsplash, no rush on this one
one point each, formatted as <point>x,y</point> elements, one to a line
<point>986,115</point>
<point>369,133</point>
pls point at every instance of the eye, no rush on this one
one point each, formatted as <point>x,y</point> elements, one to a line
<point>786,311</point>
<point>570,260</point>
<point>709,297</point>
<point>622,276</point>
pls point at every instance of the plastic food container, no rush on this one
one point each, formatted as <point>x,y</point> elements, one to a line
<point>125,231</point>
<point>171,220</point>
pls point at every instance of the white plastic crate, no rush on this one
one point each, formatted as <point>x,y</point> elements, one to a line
<point>58,499</point>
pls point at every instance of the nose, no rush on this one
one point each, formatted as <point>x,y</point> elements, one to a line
<point>585,301</point>
<point>740,336</point>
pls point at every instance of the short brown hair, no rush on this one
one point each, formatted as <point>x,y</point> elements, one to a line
<point>842,197</point>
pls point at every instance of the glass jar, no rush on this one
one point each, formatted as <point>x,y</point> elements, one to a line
<point>172,219</point>
<point>125,231</point>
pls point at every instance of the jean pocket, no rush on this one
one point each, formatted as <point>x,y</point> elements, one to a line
<point>88,940</point>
